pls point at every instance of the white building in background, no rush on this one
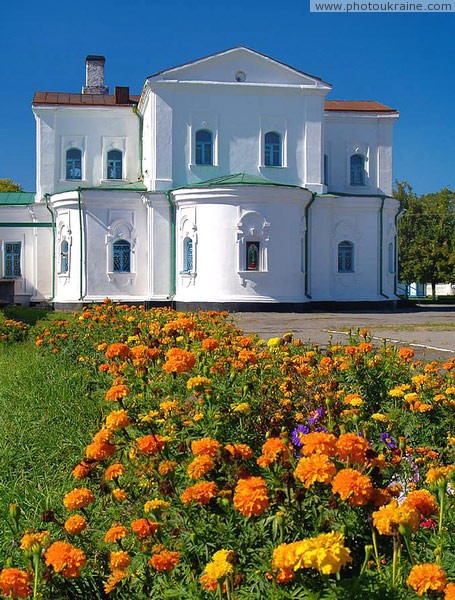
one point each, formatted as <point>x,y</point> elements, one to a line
<point>230,181</point>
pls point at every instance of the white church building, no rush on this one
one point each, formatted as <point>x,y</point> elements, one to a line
<point>229,182</point>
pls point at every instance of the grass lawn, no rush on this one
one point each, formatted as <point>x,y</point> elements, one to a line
<point>46,415</point>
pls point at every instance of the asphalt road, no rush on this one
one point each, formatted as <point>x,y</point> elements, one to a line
<point>430,331</point>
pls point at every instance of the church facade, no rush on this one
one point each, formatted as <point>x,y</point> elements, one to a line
<point>229,182</point>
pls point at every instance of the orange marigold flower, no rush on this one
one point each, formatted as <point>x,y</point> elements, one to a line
<point>250,497</point>
<point>316,467</point>
<point>114,471</point>
<point>248,356</point>
<point>210,344</point>
<point>206,446</point>
<point>65,559</point>
<point>78,498</point>
<point>114,578</point>
<point>119,495</point>
<point>240,451</point>
<point>284,559</point>
<point>201,493</point>
<point>427,576</point>
<point>15,583</point>
<point>116,392</point>
<point>423,501</point>
<point>318,441</point>
<point>271,450</point>
<point>118,419</point>
<point>166,467</point>
<point>200,466</point>
<point>449,592</point>
<point>352,486</point>
<point>99,451</point>
<point>150,444</point>
<point>115,533</point>
<point>31,538</point>
<point>208,583</point>
<point>83,469</point>
<point>165,560</point>
<point>406,354</point>
<point>144,528</point>
<point>75,524</point>
<point>388,518</point>
<point>119,560</point>
<point>118,350</point>
<point>352,447</point>
<point>179,361</point>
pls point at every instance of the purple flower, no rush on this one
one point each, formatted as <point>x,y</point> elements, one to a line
<point>388,440</point>
<point>297,434</point>
<point>320,428</point>
<point>315,415</point>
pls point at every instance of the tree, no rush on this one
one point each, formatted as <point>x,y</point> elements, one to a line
<point>426,239</point>
<point>8,185</point>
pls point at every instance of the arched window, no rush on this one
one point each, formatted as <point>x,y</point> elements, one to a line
<point>358,175</point>
<point>252,256</point>
<point>345,257</point>
<point>272,149</point>
<point>204,147</point>
<point>114,164</point>
<point>391,261</point>
<point>187,255</point>
<point>122,256</point>
<point>64,257</point>
<point>73,164</point>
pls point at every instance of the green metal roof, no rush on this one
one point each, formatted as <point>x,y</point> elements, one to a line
<point>238,179</point>
<point>16,198</point>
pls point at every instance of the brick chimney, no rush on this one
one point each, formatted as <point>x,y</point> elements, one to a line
<point>94,75</point>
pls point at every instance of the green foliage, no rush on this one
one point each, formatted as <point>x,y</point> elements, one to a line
<point>7,185</point>
<point>426,245</point>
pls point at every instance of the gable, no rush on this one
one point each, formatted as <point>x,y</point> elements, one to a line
<point>227,66</point>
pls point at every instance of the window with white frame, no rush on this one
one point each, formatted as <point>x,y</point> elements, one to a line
<point>73,163</point>
<point>253,241</point>
<point>114,164</point>
<point>273,153</point>
<point>188,263</point>
<point>357,169</point>
<point>64,257</point>
<point>121,252</point>
<point>12,260</point>
<point>204,147</point>
<point>252,256</point>
<point>345,257</point>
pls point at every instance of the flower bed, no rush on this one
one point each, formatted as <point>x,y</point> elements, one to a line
<point>226,466</point>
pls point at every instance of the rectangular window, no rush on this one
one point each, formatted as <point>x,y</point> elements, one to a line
<point>12,265</point>
<point>252,256</point>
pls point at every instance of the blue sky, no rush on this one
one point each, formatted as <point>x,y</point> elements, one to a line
<point>406,61</point>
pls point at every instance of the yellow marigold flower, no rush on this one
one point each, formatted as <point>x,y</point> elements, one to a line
<point>119,560</point>
<point>165,561</point>
<point>243,407</point>
<point>15,583</point>
<point>325,553</point>
<point>198,383</point>
<point>200,466</point>
<point>284,559</point>
<point>397,392</point>
<point>353,400</point>
<point>352,486</point>
<point>274,342</point>
<point>388,518</point>
<point>31,538</point>
<point>169,405</point>
<point>206,446</point>
<point>201,493</point>
<point>78,498</point>
<point>251,496</point>
<point>450,391</point>
<point>439,476</point>
<point>352,447</point>
<point>114,578</point>
<point>316,467</point>
<point>118,419</point>
<point>115,533</point>
<point>156,504</point>
<point>380,417</point>
<point>75,524</point>
<point>65,559</point>
<point>427,576</point>
<point>144,528</point>
<point>218,568</point>
<point>114,471</point>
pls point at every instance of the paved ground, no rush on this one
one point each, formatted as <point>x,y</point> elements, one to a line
<point>430,330</point>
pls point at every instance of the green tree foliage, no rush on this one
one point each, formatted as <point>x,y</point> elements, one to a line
<point>426,239</point>
<point>8,185</point>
